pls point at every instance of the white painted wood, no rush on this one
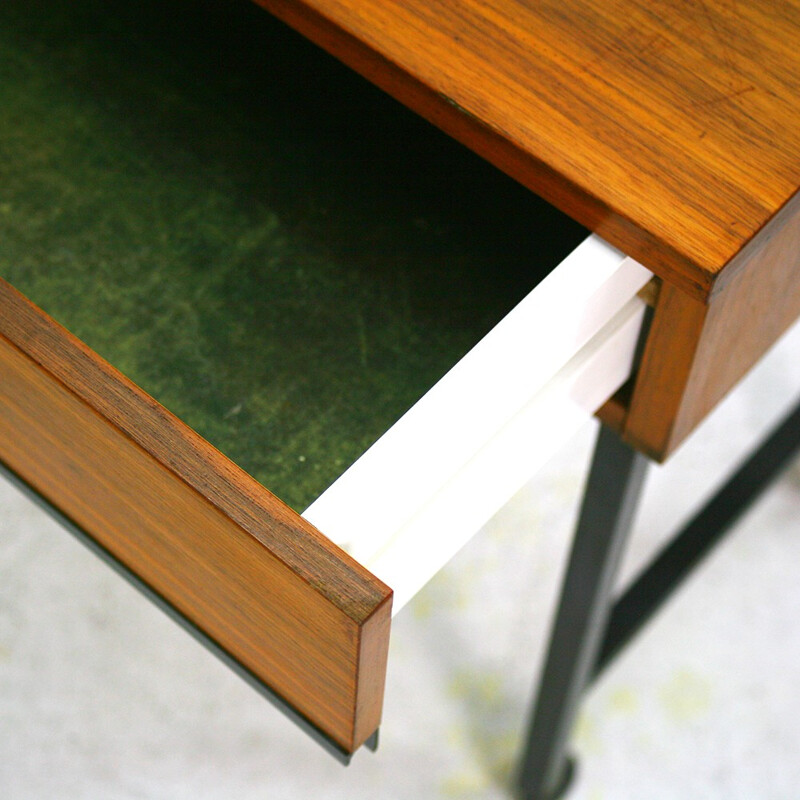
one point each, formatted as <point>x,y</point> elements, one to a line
<point>407,560</point>
<point>383,492</point>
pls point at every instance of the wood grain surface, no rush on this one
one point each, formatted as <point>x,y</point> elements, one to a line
<point>668,128</point>
<point>696,353</point>
<point>259,580</point>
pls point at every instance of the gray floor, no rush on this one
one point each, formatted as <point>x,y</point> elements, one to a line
<point>103,697</point>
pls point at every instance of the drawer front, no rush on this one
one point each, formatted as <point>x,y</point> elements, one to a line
<point>292,608</point>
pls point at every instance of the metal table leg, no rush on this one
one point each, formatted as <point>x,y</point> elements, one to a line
<point>590,627</point>
<point>612,492</point>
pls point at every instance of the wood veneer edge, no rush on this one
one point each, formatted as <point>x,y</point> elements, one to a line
<point>773,227</point>
<point>373,654</point>
<point>666,365</point>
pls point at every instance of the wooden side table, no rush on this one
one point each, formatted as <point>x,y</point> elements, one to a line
<point>671,133</point>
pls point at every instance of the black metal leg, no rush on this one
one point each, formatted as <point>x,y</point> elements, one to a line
<point>590,629</point>
<point>612,492</point>
<point>695,541</point>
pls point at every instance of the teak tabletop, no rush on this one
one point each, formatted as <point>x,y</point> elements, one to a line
<point>669,128</point>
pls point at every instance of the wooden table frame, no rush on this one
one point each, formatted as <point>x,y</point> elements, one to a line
<point>616,132</point>
<point>672,132</point>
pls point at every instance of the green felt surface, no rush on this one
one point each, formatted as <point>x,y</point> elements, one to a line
<point>274,250</point>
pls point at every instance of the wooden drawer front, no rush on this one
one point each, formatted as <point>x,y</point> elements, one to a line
<point>292,608</point>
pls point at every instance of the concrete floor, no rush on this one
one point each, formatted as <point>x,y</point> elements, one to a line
<point>101,696</point>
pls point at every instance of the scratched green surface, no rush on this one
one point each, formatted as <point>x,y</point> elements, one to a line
<point>273,249</point>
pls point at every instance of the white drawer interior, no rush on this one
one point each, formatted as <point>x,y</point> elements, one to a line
<point>436,476</point>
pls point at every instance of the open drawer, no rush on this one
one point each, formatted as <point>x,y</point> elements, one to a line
<point>406,506</point>
<point>287,261</point>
